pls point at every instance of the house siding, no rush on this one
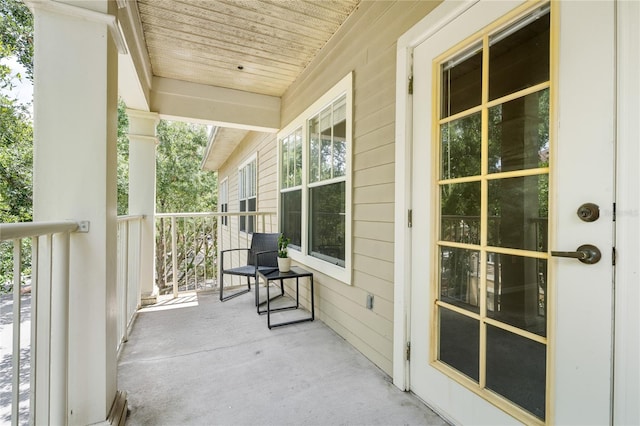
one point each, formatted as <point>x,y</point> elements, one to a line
<point>366,45</point>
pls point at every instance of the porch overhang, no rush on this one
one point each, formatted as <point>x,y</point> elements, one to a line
<point>222,142</point>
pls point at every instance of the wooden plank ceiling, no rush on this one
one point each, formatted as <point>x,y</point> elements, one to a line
<point>260,46</point>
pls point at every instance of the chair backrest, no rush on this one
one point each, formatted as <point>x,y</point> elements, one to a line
<point>264,242</point>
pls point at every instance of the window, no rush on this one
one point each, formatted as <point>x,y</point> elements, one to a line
<point>247,178</point>
<point>223,200</point>
<point>315,183</point>
<point>493,186</point>
<point>291,187</point>
<point>327,169</point>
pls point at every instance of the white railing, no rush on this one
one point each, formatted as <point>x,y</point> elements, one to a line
<point>189,244</point>
<point>128,283</point>
<point>39,356</point>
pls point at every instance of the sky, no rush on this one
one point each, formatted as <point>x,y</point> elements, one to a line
<point>23,89</point>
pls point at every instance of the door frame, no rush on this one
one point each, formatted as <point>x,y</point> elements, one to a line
<point>627,293</point>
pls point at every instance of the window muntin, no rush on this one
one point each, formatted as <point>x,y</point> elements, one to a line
<point>223,200</point>
<point>493,156</point>
<point>247,185</point>
<point>325,230</point>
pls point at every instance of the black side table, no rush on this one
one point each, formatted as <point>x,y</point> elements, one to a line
<point>295,272</point>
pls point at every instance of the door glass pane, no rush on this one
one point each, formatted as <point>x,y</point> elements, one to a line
<point>516,291</point>
<point>460,278</point>
<point>518,212</point>
<point>516,369</point>
<point>462,82</point>
<point>459,342</point>
<point>460,151</point>
<point>519,56</point>
<point>460,212</point>
<point>519,133</point>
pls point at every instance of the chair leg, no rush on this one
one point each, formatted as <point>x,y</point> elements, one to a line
<point>281,287</point>
<point>231,296</point>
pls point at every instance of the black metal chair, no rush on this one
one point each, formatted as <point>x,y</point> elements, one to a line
<point>261,255</point>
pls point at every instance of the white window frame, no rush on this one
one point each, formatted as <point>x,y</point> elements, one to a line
<point>241,190</point>
<point>223,200</point>
<point>340,273</point>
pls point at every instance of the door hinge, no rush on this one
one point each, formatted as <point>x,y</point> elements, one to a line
<point>410,218</point>
<point>407,352</point>
<point>613,256</point>
<point>410,88</point>
<point>614,212</point>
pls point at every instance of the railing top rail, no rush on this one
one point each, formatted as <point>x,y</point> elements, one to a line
<point>12,231</point>
<point>214,214</point>
<point>125,218</point>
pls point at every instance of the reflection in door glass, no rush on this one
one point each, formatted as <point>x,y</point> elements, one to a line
<point>460,147</point>
<point>518,210</point>
<point>519,55</point>
<point>519,133</point>
<point>516,369</point>
<point>462,82</point>
<point>460,277</point>
<point>460,212</point>
<point>516,291</point>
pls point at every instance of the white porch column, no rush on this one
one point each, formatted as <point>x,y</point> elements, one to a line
<point>142,192</point>
<point>75,122</point>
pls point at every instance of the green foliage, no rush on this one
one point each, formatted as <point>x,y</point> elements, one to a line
<point>123,159</point>
<point>283,243</point>
<point>16,37</point>
<point>181,185</point>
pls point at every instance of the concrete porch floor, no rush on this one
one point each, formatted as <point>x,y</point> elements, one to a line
<point>197,361</point>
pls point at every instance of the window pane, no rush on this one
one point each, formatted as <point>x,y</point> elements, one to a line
<point>251,207</point>
<point>518,212</point>
<point>284,164</point>
<point>327,222</point>
<point>314,149</point>
<point>462,82</point>
<point>460,277</point>
<point>516,369</point>
<point>291,216</point>
<point>297,174</point>
<point>519,133</point>
<point>243,219</point>
<point>326,146</point>
<point>516,291</point>
<point>459,342</point>
<point>519,59</point>
<point>460,151</point>
<point>460,212</point>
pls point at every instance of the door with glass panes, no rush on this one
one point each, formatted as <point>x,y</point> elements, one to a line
<point>511,282</point>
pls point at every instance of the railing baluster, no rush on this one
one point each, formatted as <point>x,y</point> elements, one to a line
<point>34,377</point>
<point>174,258</point>
<point>17,305</point>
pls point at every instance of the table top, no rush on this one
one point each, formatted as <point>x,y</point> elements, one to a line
<point>275,274</point>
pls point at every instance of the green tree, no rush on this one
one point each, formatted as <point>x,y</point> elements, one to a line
<point>181,186</point>
<point>16,131</point>
<point>123,160</point>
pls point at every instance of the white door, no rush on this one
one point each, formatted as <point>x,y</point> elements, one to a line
<point>513,116</point>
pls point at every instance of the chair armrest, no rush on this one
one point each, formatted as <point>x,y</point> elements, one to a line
<point>222,252</point>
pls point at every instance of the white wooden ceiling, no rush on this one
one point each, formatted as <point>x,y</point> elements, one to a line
<point>259,46</point>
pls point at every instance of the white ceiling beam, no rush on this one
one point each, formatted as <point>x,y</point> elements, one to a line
<point>218,106</point>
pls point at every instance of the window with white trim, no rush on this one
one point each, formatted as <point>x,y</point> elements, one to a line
<point>247,184</point>
<point>223,200</point>
<point>315,183</point>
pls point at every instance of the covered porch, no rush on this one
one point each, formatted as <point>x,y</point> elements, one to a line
<point>195,360</point>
